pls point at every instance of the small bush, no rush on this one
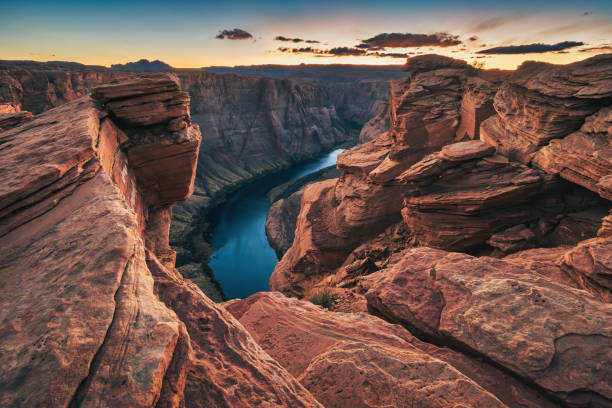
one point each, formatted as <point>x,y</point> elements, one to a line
<point>323,298</point>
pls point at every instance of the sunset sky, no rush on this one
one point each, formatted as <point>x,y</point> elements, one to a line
<point>183,33</point>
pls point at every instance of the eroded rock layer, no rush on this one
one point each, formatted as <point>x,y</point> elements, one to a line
<point>93,311</point>
<point>528,203</point>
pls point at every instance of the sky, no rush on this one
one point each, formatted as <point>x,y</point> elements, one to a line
<point>190,34</point>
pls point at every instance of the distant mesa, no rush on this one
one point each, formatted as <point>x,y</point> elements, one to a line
<point>143,65</point>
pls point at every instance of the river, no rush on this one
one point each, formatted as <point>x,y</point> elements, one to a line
<point>243,260</point>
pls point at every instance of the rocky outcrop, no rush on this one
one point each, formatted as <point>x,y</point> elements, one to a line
<point>347,359</point>
<point>367,198</point>
<point>541,102</point>
<point>583,157</point>
<point>465,194</point>
<point>528,202</point>
<point>94,313</point>
<point>523,321</point>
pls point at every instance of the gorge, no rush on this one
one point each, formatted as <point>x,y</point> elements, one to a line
<point>465,243</point>
<point>255,125</point>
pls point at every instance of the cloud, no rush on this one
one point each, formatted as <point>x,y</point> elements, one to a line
<point>295,40</point>
<point>390,54</point>
<point>342,51</point>
<point>490,23</point>
<point>406,40</point>
<point>605,47</point>
<point>235,34</point>
<point>531,48</point>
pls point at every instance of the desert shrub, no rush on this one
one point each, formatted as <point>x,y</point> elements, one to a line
<point>323,298</point>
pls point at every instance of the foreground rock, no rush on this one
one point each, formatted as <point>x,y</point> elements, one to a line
<point>523,321</point>
<point>85,261</point>
<point>358,360</point>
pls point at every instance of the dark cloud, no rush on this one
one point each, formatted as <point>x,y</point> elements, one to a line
<point>473,38</point>
<point>586,13</point>
<point>295,40</point>
<point>235,34</point>
<point>531,48</point>
<point>285,39</point>
<point>341,51</point>
<point>490,24</point>
<point>406,40</point>
<point>599,48</point>
<point>390,54</point>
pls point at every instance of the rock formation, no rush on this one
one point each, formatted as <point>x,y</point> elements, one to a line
<point>251,125</point>
<point>94,313</point>
<point>528,204</point>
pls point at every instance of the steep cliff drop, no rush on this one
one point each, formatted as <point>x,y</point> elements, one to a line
<point>251,125</point>
<point>94,313</point>
<point>511,168</point>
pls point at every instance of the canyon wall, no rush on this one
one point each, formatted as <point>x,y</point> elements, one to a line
<point>251,126</point>
<point>93,311</point>
<point>479,222</point>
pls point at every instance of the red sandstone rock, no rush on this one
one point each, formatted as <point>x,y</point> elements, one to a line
<point>593,259</point>
<point>83,322</point>
<point>583,157</point>
<point>356,360</point>
<point>11,120</point>
<point>504,312</point>
<point>542,101</point>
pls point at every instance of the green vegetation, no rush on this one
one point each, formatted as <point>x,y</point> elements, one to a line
<point>323,298</point>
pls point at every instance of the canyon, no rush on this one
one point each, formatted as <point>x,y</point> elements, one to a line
<point>464,249</point>
<point>253,126</point>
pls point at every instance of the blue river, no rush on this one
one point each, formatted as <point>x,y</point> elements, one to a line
<point>243,260</point>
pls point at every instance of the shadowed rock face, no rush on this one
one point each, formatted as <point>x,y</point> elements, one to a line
<point>94,313</point>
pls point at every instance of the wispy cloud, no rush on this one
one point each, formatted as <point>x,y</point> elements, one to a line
<point>235,34</point>
<point>295,40</point>
<point>490,23</point>
<point>603,48</point>
<point>531,48</point>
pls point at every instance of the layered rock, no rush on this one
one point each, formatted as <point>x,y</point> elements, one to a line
<point>94,313</point>
<point>583,157</point>
<point>366,199</point>
<point>541,102</point>
<point>347,359</point>
<point>465,193</point>
<point>13,119</point>
<point>525,322</point>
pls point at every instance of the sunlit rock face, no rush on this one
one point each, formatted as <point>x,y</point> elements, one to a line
<point>94,312</point>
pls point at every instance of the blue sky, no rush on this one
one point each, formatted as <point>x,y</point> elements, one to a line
<point>183,32</point>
